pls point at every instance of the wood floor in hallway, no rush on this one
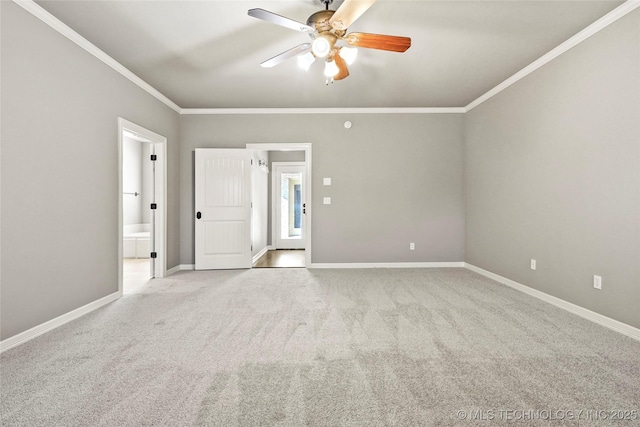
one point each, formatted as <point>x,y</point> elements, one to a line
<point>282,258</point>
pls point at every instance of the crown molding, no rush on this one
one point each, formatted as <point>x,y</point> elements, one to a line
<point>390,110</point>
<point>65,30</point>
<point>36,10</point>
<point>600,24</point>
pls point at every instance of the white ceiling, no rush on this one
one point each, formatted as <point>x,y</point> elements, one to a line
<point>206,54</point>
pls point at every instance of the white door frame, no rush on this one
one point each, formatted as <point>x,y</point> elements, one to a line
<point>160,228</point>
<point>275,226</point>
<point>306,147</point>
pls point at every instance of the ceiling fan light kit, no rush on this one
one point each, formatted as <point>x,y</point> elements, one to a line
<point>320,47</point>
<point>331,69</point>
<point>305,60</point>
<point>328,30</point>
<point>349,54</point>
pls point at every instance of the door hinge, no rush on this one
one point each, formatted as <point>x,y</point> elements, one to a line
<point>154,254</point>
<point>154,157</point>
<point>154,206</point>
<point>252,161</point>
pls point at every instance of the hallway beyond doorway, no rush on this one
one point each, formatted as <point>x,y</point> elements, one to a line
<point>282,258</point>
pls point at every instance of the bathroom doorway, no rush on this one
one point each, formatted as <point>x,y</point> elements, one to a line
<point>142,207</point>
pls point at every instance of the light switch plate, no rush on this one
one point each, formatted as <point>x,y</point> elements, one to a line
<point>326,200</point>
<point>326,181</point>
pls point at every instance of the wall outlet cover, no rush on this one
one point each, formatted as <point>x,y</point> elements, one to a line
<point>326,181</point>
<point>326,200</point>
<point>597,282</point>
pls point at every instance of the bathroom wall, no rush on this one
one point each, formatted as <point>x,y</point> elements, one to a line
<point>131,181</point>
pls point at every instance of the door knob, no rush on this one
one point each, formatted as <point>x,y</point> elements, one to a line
<point>198,215</point>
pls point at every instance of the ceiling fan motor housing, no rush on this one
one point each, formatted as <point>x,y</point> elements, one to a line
<point>320,21</point>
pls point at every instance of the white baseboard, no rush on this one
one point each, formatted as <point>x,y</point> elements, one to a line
<point>45,327</point>
<point>186,267</point>
<point>172,270</point>
<point>387,265</point>
<point>262,252</point>
<point>605,321</point>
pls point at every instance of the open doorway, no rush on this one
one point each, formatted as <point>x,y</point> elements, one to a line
<point>288,207</point>
<point>289,213</point>
<point>142,208</point>
<point>138,194</point>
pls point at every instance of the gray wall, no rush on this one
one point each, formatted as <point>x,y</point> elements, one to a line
<point>551,170</point>
<point>285,156</point>
<point>553,173</point>
<point>60,171</point>
<point>396,179</point>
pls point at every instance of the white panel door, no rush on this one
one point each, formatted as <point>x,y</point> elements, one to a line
<point>223,209</point>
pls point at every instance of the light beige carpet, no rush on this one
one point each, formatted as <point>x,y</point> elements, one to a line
<point>295,347</point>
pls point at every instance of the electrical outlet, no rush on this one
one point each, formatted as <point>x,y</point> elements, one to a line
<point>533,264</point>
<point>597,282</point>
<point>412,246</point>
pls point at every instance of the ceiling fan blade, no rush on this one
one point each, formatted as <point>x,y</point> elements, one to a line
<point>274,18</point>
<point>303,48</point>
<point>348,12</point>
<point>342,66</point>
<point>379,41</point>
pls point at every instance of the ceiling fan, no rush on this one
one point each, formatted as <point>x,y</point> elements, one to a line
<point>330,41</point>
